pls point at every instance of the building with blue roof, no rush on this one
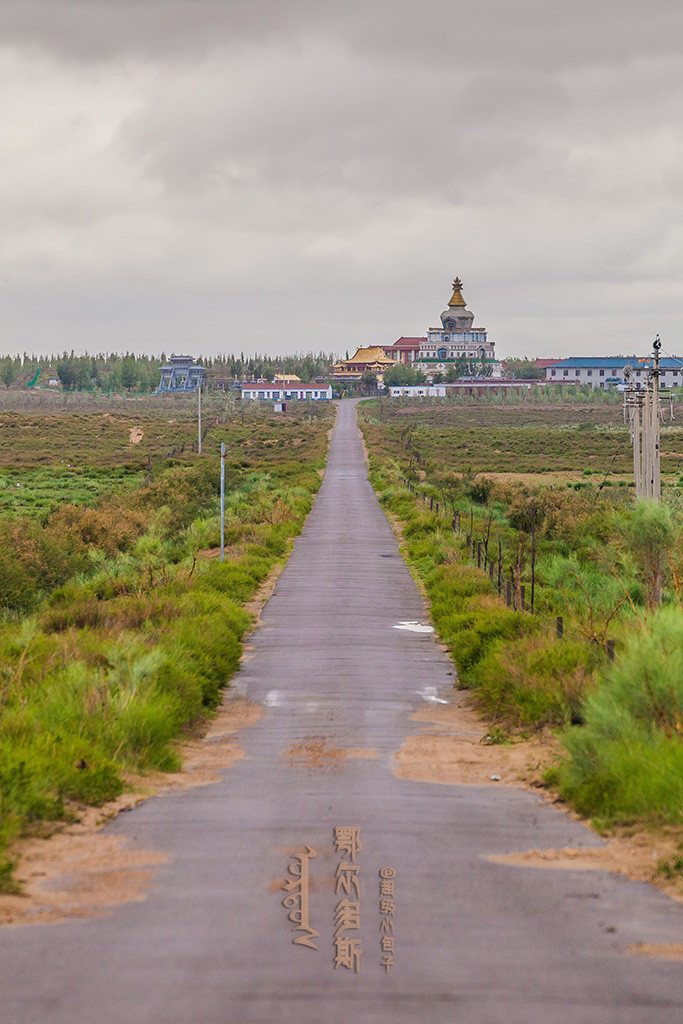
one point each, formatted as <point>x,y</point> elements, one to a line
<point>601,371</point>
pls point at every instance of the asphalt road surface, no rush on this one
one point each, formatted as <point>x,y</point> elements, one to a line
<point>474,942</point>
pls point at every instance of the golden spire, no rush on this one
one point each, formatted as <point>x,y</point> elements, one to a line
<point>457,299</point>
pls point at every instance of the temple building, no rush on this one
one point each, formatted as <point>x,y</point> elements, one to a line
<point>180,376</point>
<point>373,359</point>
<point>455,339</point>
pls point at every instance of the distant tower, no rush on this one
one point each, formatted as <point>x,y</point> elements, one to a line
<point>456,339</point>
<point>457,317</point>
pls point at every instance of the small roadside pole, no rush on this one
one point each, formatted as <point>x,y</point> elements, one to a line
<point>222,500</point>
<point>199,418</point>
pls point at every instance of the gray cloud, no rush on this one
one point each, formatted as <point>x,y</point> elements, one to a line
<point>307,175</point>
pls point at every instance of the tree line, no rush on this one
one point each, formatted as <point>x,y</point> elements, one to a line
<point>116,372</point>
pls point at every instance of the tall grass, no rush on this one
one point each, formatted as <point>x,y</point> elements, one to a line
<point>626,762</point>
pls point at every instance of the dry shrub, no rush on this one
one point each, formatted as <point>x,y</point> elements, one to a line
<point>111,528</point>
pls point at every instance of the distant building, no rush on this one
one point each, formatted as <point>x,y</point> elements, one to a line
<point>601,371</point>
<point>473,386</point>
<point>373,359</point>
<point>418,391</point>
<point>181,376</point>
<point>455,339</point>
<point>405,350</point>
<point>265,392</point>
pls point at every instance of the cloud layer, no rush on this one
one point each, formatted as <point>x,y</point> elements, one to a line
<point>295,175</point>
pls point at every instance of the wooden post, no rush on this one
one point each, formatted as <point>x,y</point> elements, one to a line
<point>500,566</point>
<point>560,626</point>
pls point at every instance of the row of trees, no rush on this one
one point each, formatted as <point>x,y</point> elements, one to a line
<point>114,372</point>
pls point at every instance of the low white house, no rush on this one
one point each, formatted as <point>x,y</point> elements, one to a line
<point>418,391</point>
<point>276,393</point>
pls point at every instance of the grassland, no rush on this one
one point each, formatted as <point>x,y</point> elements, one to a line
<point>521,439</point>
<point>121,626</point>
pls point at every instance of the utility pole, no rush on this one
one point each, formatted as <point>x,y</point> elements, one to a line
<point>642,408</point>
<point>222,500</point>
<point>199,417</point>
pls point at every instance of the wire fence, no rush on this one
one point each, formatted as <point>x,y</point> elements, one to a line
<point>509,587</point>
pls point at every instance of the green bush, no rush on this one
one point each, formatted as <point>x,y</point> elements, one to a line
<point>536,679</point>
<point>627,760</point>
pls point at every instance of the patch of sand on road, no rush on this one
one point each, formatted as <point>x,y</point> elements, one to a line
<point>636,855</point>
<point>662,950</point>
<point>316,752</point>
<point>80,871</point>
<point>452,749</point>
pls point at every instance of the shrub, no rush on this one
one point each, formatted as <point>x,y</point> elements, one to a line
<point>536,680</point>
<point>628,758</point>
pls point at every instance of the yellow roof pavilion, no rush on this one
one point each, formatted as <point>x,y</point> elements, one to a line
<point>370,355</point>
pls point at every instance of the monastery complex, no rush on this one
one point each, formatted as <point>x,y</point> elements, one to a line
<point>456,338</point>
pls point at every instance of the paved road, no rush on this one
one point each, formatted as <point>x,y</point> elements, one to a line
<point>475,942</point>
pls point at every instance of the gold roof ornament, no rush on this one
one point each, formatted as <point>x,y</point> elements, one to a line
<point>457,299</point>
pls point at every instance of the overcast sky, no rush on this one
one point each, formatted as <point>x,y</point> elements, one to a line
<point>293,175</point>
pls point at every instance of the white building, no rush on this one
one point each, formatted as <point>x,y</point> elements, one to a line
<point>418,391</point>
<point>276,393</point>
<point>601,371</point>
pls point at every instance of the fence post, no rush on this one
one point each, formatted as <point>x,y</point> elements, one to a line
<point>560,626</point>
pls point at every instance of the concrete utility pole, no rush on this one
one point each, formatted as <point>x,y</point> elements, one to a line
<point>199,417</point>
<point>642,408</point>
